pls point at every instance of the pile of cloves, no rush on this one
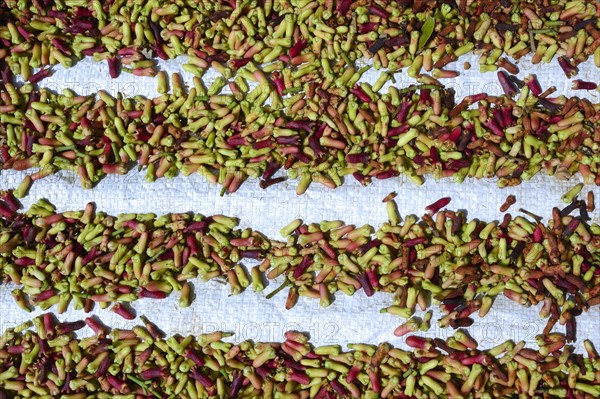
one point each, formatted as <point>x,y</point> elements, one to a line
<point>48,361</point>
<point>316,135</point>
<point>226,35</point>
<point>290,102</point>
<point>83,257</point>
<point>86,257</point>
<point>461,264</point>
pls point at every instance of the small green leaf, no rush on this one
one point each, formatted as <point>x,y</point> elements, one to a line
<point>426,32</point>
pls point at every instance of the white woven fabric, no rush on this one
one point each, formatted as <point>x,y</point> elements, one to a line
<point>250,315</point>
